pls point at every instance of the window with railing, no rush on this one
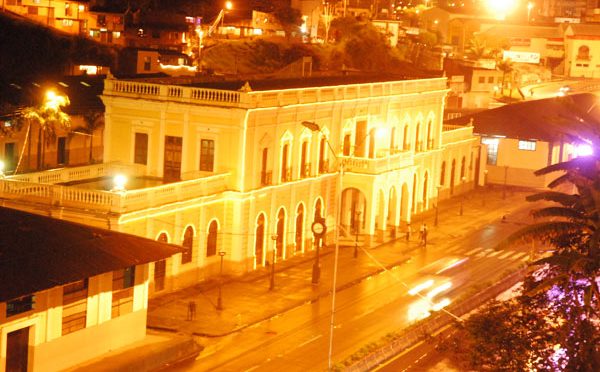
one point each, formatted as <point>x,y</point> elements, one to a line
<point>305,171</point>
<point>211,239</point>
<point>20,305</point>
<point>405,140</point>
<point>304,160</point>
<point>285,169</point>
<point>322,160</point>
<point>74,310</point>
<point>266,178</point>
<point>286,174</point>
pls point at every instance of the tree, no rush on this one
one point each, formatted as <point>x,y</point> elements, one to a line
<point>93,121</point>
<point>289,18</point>
<point>47,117</point>
<point>506,66</point>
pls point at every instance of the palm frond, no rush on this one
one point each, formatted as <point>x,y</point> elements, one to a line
<point>554,196</point>
<point>564,212</point>
<point>540,231</point>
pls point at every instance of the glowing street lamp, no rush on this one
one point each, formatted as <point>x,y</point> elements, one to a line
<point>530,6</point>
<point>53,101</point>
<point>2,169</point>
<point>501,7</point>
<point>119,182</point>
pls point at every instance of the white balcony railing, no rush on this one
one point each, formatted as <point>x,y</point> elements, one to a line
<point>41,189</point>
<point>252,99</point>
<point>456,133</point>
<point>378,165</point>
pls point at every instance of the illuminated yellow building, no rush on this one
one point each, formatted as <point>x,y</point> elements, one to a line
<point>240,168</point>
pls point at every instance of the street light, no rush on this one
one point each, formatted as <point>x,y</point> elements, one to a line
<point>356,232</point>
<point>462,199</point>
<point>220,299</point>
<point>272,284</point>
<point>228,6</point>
<point>530,6</point>
<point>437,205</point>
<point>119,182</point>
<point>314,127</point>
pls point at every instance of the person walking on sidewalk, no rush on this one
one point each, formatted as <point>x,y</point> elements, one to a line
<point>408,231</point>
<point>423,235</point>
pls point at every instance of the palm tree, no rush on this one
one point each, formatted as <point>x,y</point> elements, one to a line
<point>506,66</point>
<point>93,120</point>
<point>565,283</point>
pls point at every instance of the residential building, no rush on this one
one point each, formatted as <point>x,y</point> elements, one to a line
<point>581,40</point>
<point>524,137</point>
<point>230,167</point>
<point>64,285</point>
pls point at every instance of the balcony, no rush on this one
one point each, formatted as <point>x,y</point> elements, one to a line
<point>305,171</point>
<point>88,188</point>
<point>456,133</point>
<point>286,174</point>
<point>266,178</point>
<point>378,165</point>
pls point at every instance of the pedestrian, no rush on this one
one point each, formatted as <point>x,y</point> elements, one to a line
<point>422,234</point>
<point>425,235</point>
<point>191,310</point>
<point>408,231</point>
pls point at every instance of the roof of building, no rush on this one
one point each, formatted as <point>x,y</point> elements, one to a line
<point>536,119</point>
<point>306,82</point>
<point>522,31</point>
<point>38,253</point>
<point>584,29</point>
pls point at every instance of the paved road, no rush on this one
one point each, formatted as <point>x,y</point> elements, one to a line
<point>299,339</point>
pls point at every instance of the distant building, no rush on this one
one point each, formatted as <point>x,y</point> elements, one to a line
<point>523,137</point>
<point>69,292</point>
<point>581,42</point>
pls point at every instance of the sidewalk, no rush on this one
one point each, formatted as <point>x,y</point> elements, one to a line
<point>247,300</point>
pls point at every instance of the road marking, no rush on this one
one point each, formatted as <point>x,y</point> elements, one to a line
<point>505,254</point>
<point>252,368</point>
<point>484,253</point>
<point>519,255</point>
<point>525,259</point>
<point>311,340</point>
<point>473,251</point>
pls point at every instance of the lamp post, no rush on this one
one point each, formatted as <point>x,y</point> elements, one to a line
<point>272,283</point>
<point>530,6</point>
<point>462,198</point>
<point>437,205</point>
<point>228,6</point>
<point>318,228</point>
<point>357,220</point>
<point>505,179</point>
<point>314,127</point>
<point>220,298</point>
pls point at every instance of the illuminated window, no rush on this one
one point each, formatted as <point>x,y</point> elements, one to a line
<point>207,155</point>
<point>74,310</point>
<point>94,33</point>
<point>67,22</point>
<point>583,52</point>
<point>116,34</point>
<point>68,10</point>
<point>304,165</point>
<point>492,150</point>
<point>527,145</point>
<point>323,166</point>
<point>265,176</point>
<point>20,305</point>
<point>286,175</point>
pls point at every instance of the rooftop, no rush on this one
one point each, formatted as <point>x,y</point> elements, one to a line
<point>38,253</point>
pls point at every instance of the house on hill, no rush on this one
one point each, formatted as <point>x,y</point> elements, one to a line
<point>69,292</point>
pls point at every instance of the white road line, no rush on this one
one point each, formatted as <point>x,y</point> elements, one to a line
<point>505,254</point>
<point>484,253</point>
<point>525,259</point>
<point>494,253</point>
<point>311,340</point>
<point>473,251</point>
<point>519,255</point>
<point>252,368</point>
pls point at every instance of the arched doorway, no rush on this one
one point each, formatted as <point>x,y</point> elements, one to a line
<point>280,232</point>
<point>392,219</point>
<point>300,228</point>
<point>404,205</point>
<point>259,242</point>
<point>414,195</point>
<point>354,207</point>
<point>188,243</point>
<point>211,239</point>
<point>160,267</point>
<point>425,185</point>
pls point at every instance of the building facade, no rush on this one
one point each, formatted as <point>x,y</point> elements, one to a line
<point>241,169</point>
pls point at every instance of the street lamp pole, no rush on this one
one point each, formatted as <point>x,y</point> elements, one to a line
<point>485,173</point>
<point>357,221</point>
<point>272,283</point>
<point>319,229</point>
<point>220,298</point>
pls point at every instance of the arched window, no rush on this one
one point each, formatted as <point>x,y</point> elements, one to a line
<point>406,142</point>
<point>583,53</point>
<point>265,175</point>
<point>280,231</point>
<point>418,144</point>
<point>163,238</point>
<point>372,143</point>
<point>188,243</point>
<point>318,210</point>
<point>443,174</point>
<point>286,175</point>
<point>425,195</point>
<point>322,162</point>
<point>211,239</point>
<point>299,226</point>
<point>304,164</point>
<point>429,139</point>
<point>160,267</point>
<point>347,144</point>
<point>393,140</point>
<point>462,169</point>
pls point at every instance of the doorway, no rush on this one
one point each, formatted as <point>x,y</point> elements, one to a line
<point>172,165</point>
<point>17,347</point>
